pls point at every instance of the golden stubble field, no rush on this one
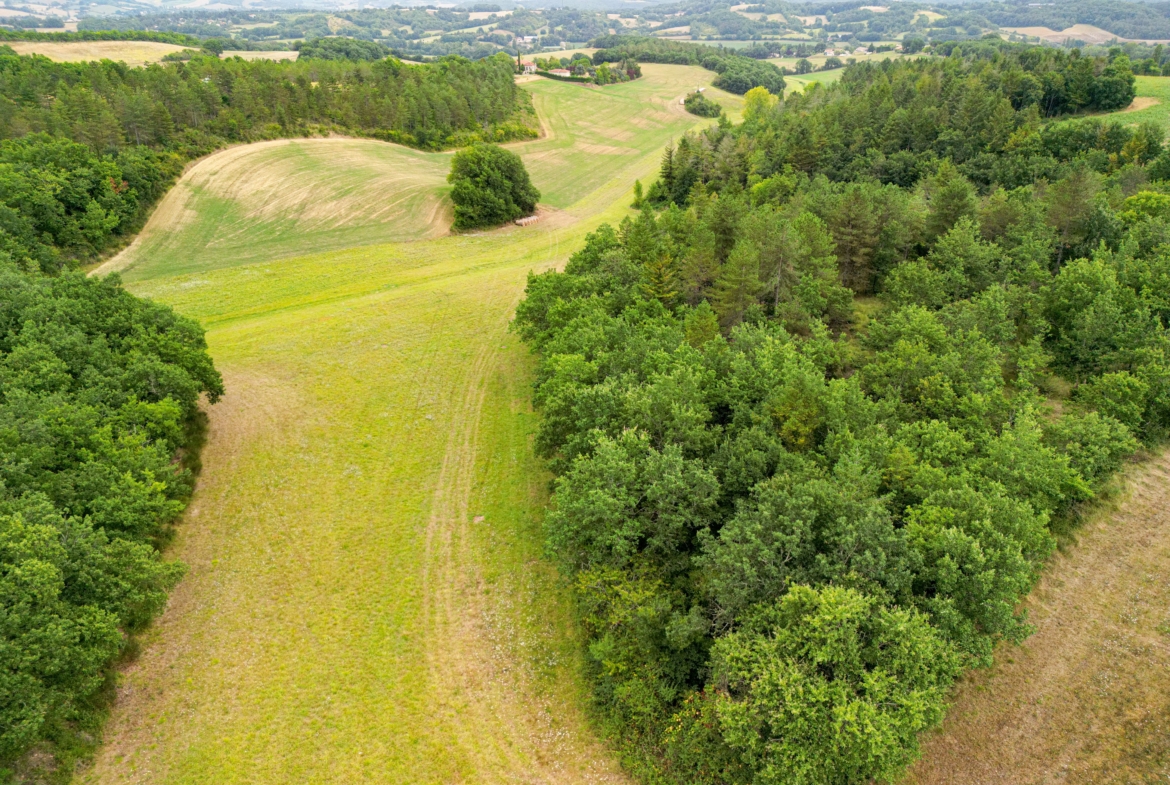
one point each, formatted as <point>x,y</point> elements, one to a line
<point>367,599</point>
<point>132,53</point>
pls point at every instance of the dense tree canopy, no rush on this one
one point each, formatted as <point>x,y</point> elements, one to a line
<point>98,393</point>
<point>792,519</point>
<point>335,48</point>
<point>87,148</point>
<point>491,187</point>
<point>206,102</point>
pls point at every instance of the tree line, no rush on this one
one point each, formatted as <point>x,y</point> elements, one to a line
<point>88,147</point>
<point>820,412</point>
<point>98,395</point>
<point>736,74</point>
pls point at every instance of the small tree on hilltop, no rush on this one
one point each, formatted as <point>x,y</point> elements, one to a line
<point>491,187</point>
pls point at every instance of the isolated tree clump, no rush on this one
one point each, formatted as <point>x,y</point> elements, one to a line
<point>698,104</point>
<point>491,187</point>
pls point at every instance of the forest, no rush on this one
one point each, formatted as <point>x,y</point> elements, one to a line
<point>820,412</point>
<point>98,395</point>
<point>88,148</point>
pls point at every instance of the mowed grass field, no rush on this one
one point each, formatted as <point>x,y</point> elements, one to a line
<point>291,197</point>
<point>367,599</point>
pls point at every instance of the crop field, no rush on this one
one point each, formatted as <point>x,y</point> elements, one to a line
<point>132,53</point>
<point>366,598</point>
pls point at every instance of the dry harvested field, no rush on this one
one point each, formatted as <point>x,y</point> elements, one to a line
<point>131,53</point>
<point>367,600</point>
<point>1087,33</point>
<point>1086,699</point>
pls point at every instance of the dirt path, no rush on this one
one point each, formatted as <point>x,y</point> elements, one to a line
<point>1086,699</point>
<point>1141,102</point>
<point>473,668</point>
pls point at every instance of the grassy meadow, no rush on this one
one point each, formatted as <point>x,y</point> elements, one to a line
<point>366,598</point>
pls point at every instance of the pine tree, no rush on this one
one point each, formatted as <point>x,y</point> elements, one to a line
<point>738,284</point>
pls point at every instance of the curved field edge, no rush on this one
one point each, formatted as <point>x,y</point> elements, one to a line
<point>1086,698</point>
<point>367,598</point>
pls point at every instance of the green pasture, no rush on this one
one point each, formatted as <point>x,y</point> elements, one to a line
<point>367,599</point>
<point>1154,93</point>
<point>292,197</point>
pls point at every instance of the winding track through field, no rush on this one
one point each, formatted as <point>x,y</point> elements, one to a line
<point>366,600</point>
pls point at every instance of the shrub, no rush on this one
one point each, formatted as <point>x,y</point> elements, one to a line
<point>698,104</point>
<point>491,187</point>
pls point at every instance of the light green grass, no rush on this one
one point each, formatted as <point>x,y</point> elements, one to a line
<point>289,198</point>
<point>1150,87</point>
<point>367,600</point>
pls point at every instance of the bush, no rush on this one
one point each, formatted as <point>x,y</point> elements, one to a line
<point>491,187</point>
<point>698,104</point>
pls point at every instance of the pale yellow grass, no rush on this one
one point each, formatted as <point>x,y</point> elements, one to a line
<point>275,54</point>
<point>309,192</point>
<point>131,53</point>
<point>1087,33</point>
<point>1142,102</point>
<point>475,16</point>
<point>1086,699</point>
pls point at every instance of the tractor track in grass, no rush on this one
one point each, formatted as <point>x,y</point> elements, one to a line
<point>367,599</point>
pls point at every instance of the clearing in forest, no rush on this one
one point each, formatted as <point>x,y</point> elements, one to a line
<point>366,598</point>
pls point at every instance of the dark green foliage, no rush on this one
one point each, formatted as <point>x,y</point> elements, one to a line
<point>698,104</point>
<point>342,49</point>
<point>103,34</point>
<point>491,187</point>
<point>791,525</point>
<point>196,106</point>
<point>60,201</point>
<point>737,74</point>
<point>97,393</point>
<point>87,148</point>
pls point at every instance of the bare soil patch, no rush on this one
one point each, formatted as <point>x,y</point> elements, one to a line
<point>1142,102</point>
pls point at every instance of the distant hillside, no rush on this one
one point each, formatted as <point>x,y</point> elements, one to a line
<point>1126,20</point>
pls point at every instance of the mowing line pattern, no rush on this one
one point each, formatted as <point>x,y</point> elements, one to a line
<point>367,598</point>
